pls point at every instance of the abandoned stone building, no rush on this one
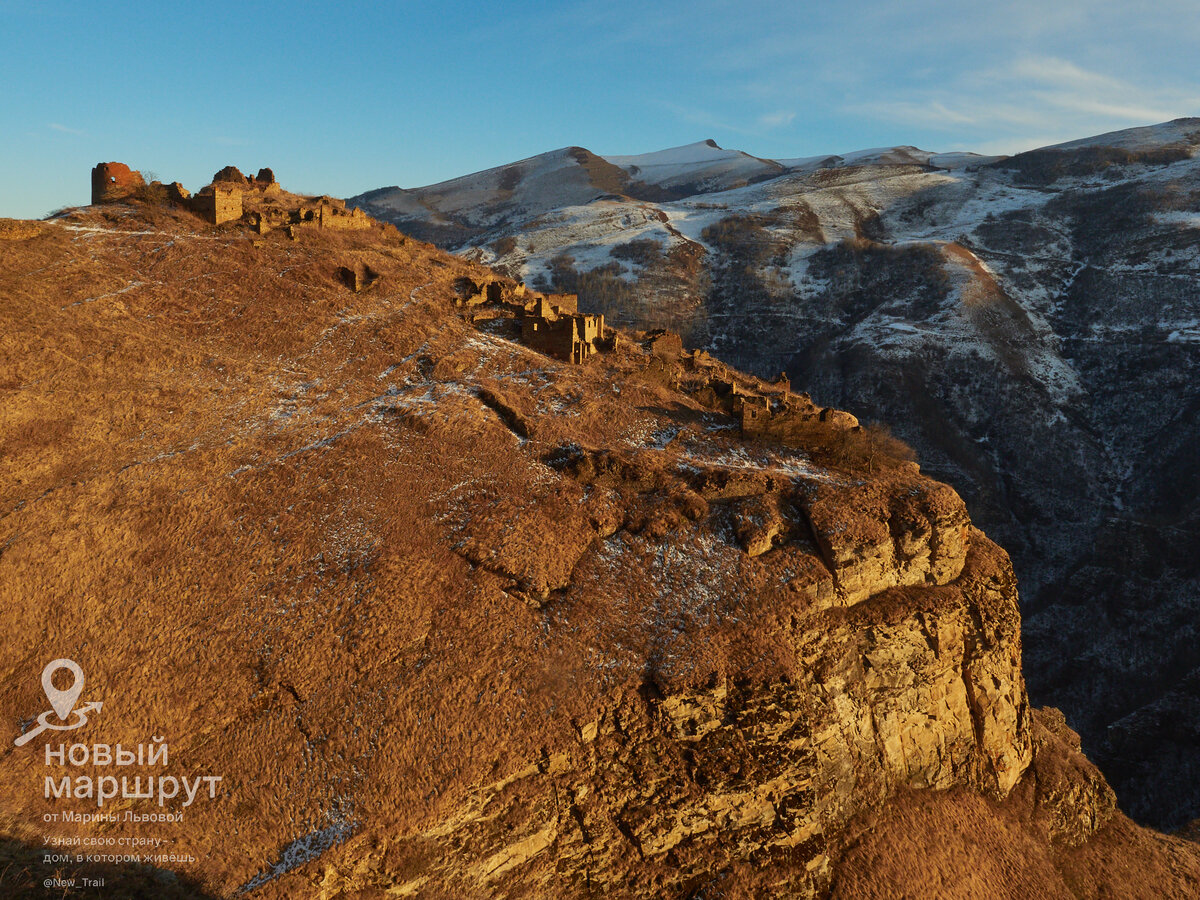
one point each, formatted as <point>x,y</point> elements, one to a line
<point>570,336</point>
<point>549,323</point>
<point>755,414</point>
<point>263,220</point>
<point>777,417</point>
<point>218,203</point>
<point>492,292</point>
<point>763,409</point>
<point>555,304</point>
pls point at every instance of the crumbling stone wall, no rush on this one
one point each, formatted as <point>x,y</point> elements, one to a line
<point>113,181</point>
<point>262,221</point>
<point>357,276</point>
<point>591,328</point>
<point>550,323</point>
<point>665,345</point>
<point>331,216</point>
<point>230,175</point>
<point>227,205</point>
<point>784,417</point>
<point>329,212</point>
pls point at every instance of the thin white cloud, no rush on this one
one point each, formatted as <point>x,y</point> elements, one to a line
<point>694,116</point>
<point>933,113</point>
<point>1117,111</point>
<point>1052,70</point>
<point>952,115</point>
<point>55,126</point>
<point>945,114</point>
<point>1034,97</point>
<point>776,119</point>
<point>984,73</point>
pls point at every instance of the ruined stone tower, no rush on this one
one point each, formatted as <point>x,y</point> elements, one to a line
<point>114,181</point>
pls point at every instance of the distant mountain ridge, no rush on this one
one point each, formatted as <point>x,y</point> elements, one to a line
<point>1030,323</point>
<point>456,211</point>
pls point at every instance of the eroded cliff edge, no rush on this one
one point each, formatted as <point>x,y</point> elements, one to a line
<point>456,619</point>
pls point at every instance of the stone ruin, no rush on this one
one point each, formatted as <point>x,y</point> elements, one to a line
<point>560,331</point>
<point>258,201</point>
<point>217,204</point>
<point>552,324</point>
<point>329,212</point>
<point>764,409</point>
<point>664,345</point>
<point>549,323</point>
<point>114,181</point>
<point>358,276</point>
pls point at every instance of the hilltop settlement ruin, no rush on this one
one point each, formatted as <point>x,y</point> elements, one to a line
<point>549,323</point>
<point>232,197</point>
<point>552,324</point>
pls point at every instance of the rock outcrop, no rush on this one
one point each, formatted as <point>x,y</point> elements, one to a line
<point>664,792</point>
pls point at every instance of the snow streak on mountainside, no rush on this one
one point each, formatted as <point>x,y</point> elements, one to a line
<point>1031,324</point>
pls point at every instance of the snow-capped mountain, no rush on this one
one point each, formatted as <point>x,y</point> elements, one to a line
<point>1031,324</point>
<point>491,204</point>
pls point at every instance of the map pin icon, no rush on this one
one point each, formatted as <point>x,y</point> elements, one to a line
<point>62,701</point>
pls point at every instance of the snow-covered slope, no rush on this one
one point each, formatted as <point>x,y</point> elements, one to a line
<point>1178,132</point>
<point>702,167</point>
<point>478,208</point>
<point>460,209</point>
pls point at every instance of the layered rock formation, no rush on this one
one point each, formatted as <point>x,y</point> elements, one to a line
<point>674,789</point>
<point>451,618</point>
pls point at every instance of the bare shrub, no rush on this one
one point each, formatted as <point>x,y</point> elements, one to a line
<point>869,448</point>
<point>151,192</point>
<point>643,252</point>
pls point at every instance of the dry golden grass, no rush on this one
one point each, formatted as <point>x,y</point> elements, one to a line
<point>957,845</point>
<point>317,539</point>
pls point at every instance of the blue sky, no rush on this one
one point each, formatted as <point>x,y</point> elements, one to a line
<point>410,93</point>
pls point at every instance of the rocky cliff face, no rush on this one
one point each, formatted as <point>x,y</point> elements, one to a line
<point>672,790</point>
<point>1029,324</point>
<point>453,619</point>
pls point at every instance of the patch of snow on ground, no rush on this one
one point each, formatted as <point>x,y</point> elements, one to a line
<point>129,287</point>
<point>1184,336</point>
<point>1177,217</point>
<point>781,461</point>
<point>303,849</point>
